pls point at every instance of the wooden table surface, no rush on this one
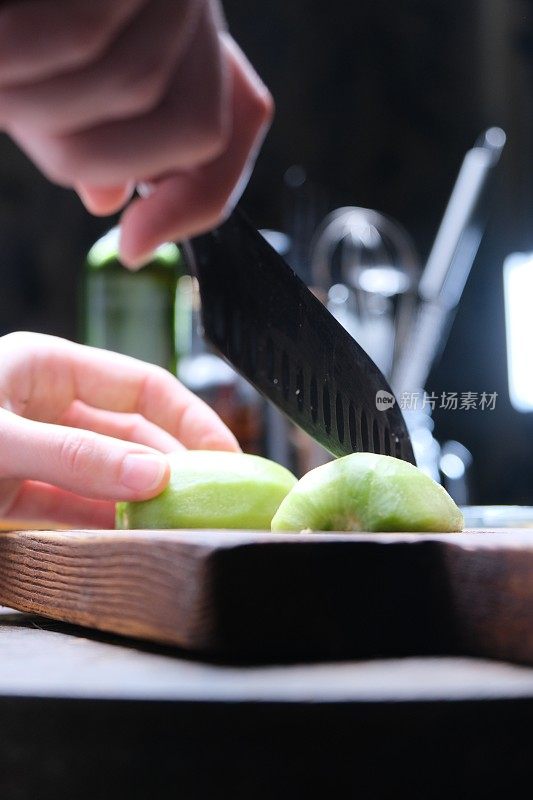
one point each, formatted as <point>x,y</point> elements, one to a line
<point>84,714</point>
<point>43,658</point>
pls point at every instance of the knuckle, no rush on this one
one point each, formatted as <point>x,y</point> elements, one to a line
<point>160,376</point>
<point>18,351</point>
<point>268,106</point>
<point>157,381</point>
<point>261,106</point>
<point>21,343</point>
<point>133,427</point>
<point>142,86</point>
<point>74,454</point>
<point>87,35</point>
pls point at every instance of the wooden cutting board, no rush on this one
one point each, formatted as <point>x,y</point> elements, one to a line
<point>274,597</point>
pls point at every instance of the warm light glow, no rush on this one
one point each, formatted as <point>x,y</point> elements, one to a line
<point>518,292</point>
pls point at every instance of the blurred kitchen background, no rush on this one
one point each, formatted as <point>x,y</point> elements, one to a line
<point>377,103</point>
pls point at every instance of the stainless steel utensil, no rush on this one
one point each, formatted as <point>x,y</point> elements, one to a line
<point>449,263</point>
<point>374,257</point>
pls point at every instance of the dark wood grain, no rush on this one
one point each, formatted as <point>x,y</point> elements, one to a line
<point>143,586</point>
<point>284,596</point>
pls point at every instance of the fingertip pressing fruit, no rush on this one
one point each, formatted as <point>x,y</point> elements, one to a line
<point>367,492</point>
<point>212,489</point>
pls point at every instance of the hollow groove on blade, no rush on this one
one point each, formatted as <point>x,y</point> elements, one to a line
<point>263,319</point>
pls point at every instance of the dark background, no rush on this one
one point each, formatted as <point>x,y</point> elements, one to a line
<point>378,100</point>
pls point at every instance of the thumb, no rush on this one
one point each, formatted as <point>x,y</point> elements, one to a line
<point>80,461</point>
<point>104,200</point>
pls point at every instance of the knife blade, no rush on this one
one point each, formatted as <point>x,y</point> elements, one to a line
<point>272,329</point>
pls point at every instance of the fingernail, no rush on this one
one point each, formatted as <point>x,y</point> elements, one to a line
<point>143,472</point>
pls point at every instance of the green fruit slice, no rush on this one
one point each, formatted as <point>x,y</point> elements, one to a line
<point>367,492</point>
<point>211,489</point>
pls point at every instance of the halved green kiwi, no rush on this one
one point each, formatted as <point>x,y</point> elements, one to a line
<point>367,492</point>
<point>212,489</point>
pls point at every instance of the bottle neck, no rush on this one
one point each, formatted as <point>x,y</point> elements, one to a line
<point>104,255</point>
<point>132,312</point>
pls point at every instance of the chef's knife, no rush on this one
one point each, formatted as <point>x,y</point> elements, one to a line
<point>265,321</point>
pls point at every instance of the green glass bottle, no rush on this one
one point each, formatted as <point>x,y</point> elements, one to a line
<point>132,312</point>
<point>210,377</point>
